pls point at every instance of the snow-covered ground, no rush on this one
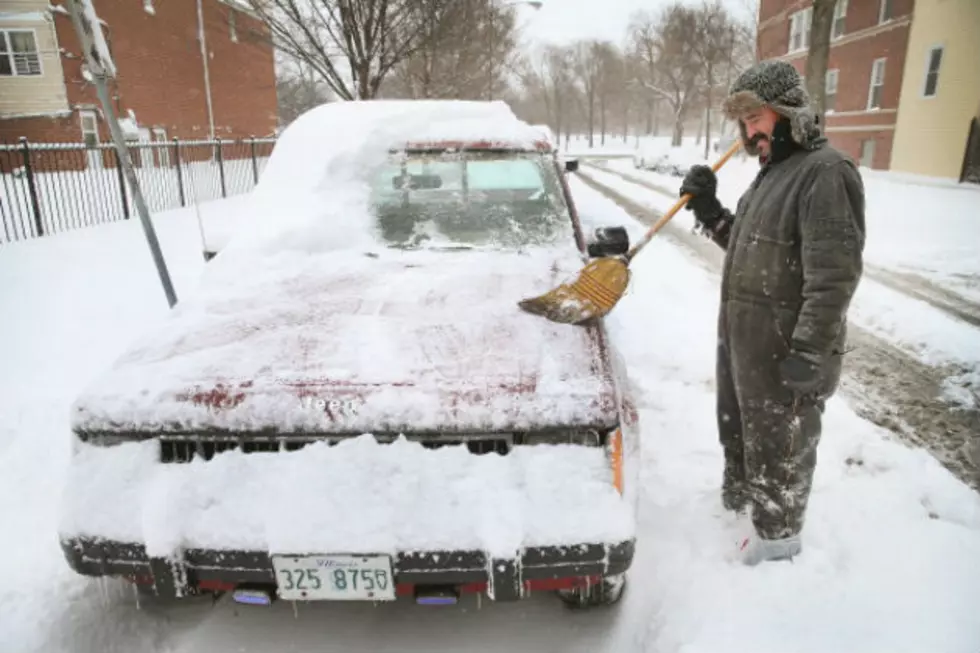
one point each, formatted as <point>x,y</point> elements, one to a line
<point>932,335</point>
<point>892,557</point>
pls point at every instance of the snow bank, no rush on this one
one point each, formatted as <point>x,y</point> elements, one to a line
<point>358,495</point>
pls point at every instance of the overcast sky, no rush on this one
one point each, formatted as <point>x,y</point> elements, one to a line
<point>561,21</point>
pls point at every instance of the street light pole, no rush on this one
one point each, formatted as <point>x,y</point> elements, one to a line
<point>101,67</point>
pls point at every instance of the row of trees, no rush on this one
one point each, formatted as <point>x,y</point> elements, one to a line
<point>668,73</point>
<point>364,49</point>
<point>671,70</point>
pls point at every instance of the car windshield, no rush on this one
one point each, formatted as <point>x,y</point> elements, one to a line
<point>470,199</point>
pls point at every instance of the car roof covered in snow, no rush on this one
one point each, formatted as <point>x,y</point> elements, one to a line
<point>349,139</point>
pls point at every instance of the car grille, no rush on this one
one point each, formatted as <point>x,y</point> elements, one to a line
<point>183,449</point>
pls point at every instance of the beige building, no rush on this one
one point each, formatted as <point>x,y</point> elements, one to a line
<point>938,128</point>
<point>31,79</point>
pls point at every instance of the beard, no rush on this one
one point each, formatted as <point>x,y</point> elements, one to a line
<point>758,138</point>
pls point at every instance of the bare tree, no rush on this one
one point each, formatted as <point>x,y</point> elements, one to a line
<point>677,65</point>
<point>714,46</point>
<point>612,85</point>
<point>467,47</point>
<point>297,91</point>
<point>588,68</point>
<point>548,84</point>
<point>819,53</point>
<point>352,45</point>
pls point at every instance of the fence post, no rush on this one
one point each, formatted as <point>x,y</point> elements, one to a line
<point>31,186</point>
<point>123,195</point>
<point>255,165</point>
<point>180,175</point>
<point>221,168</point>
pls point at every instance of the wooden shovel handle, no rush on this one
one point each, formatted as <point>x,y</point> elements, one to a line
<point>665,218</point>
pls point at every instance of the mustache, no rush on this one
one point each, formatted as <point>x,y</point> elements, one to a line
<point>755,140</point>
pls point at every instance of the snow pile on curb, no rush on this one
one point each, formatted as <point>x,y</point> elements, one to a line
<point>358,495</point>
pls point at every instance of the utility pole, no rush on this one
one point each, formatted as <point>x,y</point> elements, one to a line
<point>101,67</point>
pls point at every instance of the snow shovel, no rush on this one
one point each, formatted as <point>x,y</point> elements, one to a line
<point>603,281</point>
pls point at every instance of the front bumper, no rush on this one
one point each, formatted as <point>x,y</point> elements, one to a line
<point>503,579</point>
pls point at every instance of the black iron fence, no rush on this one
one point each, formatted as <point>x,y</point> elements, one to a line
<point>48,188</point>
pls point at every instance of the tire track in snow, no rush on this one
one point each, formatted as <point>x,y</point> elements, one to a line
<point>884,384</point>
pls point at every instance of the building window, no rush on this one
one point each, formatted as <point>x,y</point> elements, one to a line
<point>840,18</point>
<point>830,90</point>
<point>933,63</point>
<point>18,53</point>
<point>90,128</point>
<point>799,29</point>
<point>877,84</point>
<point>868,153</point>
<point>885,11</point>
<point>232,27</point>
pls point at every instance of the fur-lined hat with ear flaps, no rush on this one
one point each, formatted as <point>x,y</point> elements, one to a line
<point>778,85</point>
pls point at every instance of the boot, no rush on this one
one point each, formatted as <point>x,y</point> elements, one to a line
<point>755,549</point>
<point>733,495</point>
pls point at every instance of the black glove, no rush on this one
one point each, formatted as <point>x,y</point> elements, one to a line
<point>701,182</point>
<point>800,373</point>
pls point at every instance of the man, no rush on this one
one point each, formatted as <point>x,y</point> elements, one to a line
<point>793,260</point>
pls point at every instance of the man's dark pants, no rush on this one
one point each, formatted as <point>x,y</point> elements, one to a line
<point>769,437</point>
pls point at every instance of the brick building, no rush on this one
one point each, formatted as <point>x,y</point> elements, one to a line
<point>868,43</point>
<point>903,91</point>
<point>161,85</point>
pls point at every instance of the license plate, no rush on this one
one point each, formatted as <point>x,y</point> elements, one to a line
<point>334,578</point>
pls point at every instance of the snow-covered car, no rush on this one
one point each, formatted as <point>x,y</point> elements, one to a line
<point>351,405</point>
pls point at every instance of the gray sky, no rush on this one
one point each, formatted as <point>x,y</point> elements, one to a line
<point>561,21</point>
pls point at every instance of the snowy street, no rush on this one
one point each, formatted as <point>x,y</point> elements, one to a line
<point>892,543</point>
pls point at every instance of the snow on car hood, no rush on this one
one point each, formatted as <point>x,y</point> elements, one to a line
<point>352,342</point>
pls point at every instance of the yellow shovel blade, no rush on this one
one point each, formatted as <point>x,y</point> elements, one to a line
<point>596,290</point>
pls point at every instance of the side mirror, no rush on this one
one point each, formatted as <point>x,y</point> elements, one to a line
<point>571,165</point>
<point>609,241</point>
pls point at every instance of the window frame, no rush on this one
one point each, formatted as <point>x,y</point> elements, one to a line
<point>835,18</point>
<point>872,85</point>
<point>804,16</point>
<point>925,77</point>
<point>94,115</point>
<point>834,74</point>
<point>4,34</point>
<point>874,150</point>
<point>882,4</point>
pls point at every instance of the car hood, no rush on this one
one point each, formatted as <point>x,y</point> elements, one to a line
<point>394,341</point>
